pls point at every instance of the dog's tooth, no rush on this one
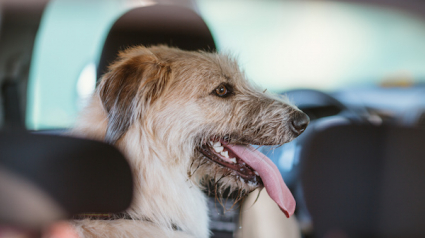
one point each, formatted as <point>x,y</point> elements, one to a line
<point>233,160</point>
<point>225,154</point>
<point>217,144</point>
<point>218,149</point>
<point>256,173</point>
<point>211,143</point>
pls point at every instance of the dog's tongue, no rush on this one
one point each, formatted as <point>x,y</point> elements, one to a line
<point>270,175</point>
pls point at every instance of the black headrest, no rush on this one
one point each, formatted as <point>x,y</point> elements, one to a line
<point>159,24</point>
<point>74,175</point>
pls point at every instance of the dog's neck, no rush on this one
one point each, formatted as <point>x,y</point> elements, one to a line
<point>163,192</point>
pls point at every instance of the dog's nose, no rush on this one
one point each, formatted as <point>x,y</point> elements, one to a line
<point>299,122</point>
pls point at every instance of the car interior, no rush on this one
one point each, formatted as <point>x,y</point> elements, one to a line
<point>356,68</point>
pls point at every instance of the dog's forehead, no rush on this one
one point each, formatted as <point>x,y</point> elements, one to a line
<point>206,65</point>
<point>225,66</point>
<point>211,68</point>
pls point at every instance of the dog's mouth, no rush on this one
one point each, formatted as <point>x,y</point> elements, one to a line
<point>253,167</point>
<point>224,156</point>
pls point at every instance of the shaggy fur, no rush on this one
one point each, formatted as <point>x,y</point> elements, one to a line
<point>159,105</point>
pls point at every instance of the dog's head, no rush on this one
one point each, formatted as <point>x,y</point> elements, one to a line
<point>201,110</point>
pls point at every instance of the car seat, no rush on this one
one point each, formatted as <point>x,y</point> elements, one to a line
<point>365,181</point>
<point>44,178</point>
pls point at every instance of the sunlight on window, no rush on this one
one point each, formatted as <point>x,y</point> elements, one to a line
<point>324,45</point>
<point>59,74</point>
<point>86,84</point>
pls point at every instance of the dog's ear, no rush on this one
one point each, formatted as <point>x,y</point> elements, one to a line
<point>133,82</point>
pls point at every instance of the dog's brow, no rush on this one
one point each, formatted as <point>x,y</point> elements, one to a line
<point>226,77</point>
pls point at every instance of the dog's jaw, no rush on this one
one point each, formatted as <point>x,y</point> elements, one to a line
<point>252,168</point>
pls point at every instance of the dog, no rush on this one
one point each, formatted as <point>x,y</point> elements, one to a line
<point>183,119</point>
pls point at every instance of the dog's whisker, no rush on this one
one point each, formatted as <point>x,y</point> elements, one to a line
<point>217,197</point>
<point>220,201</point>
<point>236,201</point>
<point>199,165</point>
<point>222,176</point>
<point>190,173</point>
<point>258,195</point>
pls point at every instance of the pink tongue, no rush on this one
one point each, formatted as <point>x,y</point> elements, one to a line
<point>270,175</point>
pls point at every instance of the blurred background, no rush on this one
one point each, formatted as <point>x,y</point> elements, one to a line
<point>357,66</point>
<point>281,45</point>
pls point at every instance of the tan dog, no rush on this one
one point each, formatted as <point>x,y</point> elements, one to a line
<point>184,118</point>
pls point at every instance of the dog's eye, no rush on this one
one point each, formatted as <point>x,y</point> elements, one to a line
<point>223,90</point>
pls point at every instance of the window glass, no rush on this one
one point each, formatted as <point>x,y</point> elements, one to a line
<point>67,48</point>
<point>324,45</point>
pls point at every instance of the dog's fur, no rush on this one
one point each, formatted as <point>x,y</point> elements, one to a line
<point>158,106</point>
